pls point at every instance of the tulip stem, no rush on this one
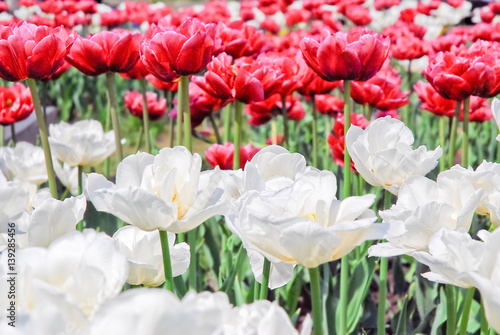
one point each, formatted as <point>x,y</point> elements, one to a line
<point>465,139</point>
<point>145,115</point>
<point>238,118</point>
<point>466,310</point>
<point>2,136</point>
<point>266,269</point>
<point>191,239</point>
<point>80,191</point>
<point>344,289</point>
<point>167,265</point>
<point>314,131</point>
<point>216,129</point>
<point>453,133</point>
<point>42,127</point>
<point>274,131</point>
<point>285,121</point>
<point>484,322</point>
<point>13,134</point>
<point>113,110</point>
<point>442,125</point>
<point>316,302</point>
<point>382,291</point>
<point>347,124</point>
<point>450,310</point>
<point>186,113</point>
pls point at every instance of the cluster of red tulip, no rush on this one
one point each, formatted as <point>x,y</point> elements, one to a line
<point>266,71</point>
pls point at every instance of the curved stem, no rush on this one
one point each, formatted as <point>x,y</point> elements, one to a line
<point>453,134</point>
<point>465,139</point>
<point>465,312</point>
<point>167,265</point>
<point>216,129</point>
<point>284,112</point>
<point>42,127</point>
<point>113,109</point>
<point>238,118</point>
<point>314,132</point>
<point>145,115</point>
<point>316,302</point>
<point>265,279</point>
<point>450,310</point>
<point>347,124</point>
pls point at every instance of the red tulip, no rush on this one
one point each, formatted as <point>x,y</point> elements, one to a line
<point>263,111</point>
<point>107,51</point>
<point>311,83</point>
<point>329,105</point>
<point>385,4</point>
<point>357,55</point>
<point>28,51</point>
<point>186,50</point>
<point>407,41</point>
<point>222,155</point>
<point>382,91</point>
<point>239,39</point>
<point>156,107</point>
<point>62,70</point>
<point>359,15</point>
<point>219,79</point>
<point>287,64</point>
<point>170,86</point>
<point>336,137</point>
<point>425,8</point>
<point>295,16</point>
<point>16,103</point>
<point>113,18</point>
<point>269,24</point>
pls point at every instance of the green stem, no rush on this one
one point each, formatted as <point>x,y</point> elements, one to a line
<point>265,279</point>
<point>80,191</point>
<point>2,136</point>
<point>113,109</point>
<point>347,124</point>
<point>167,265</point>
<point>274,131</point>
<point>453,133</point>
<point>139,139</point>
<point>285,121</point>
<point>186,113</point>
<point>13,134</point>
<point>344,289</point>
<point>42,127</point>
<point>191,239</point>
<point>145,115</point>
<point>383,279</point>
<point>238,123</point>
<point>442,142</point>
<point>484,321</point>
<point>465,139</point>
<point>450,310</point>
<point>315,153</point>
<point>316,302</point>
<point>216,129</point>
<point>465,312</point>
<point>226,112</point>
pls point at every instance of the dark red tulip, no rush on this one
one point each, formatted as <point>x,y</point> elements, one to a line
<point>385,4</point>
<point>219,79</point>
<point>113,18</point>
<point>16,103</point>
<point>170,86</point>
<point>28,51</point>
<point>222,155</point>
<point>134,104</point>
<point>107,51</point>
<point>357,55</point>
<point>426,8</point>
<point>329,105</point>
<point>295,16</point>
<point>359,15</point>
<point>186,50</point>
<point>239,39</point>
<point>262,112</point>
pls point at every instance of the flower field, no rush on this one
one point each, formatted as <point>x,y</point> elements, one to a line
<point>253,167</point>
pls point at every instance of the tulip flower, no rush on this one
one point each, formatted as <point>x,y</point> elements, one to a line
<point>16,103</point>
<point>264,111</point>
<point>383,154</point>
<point>423,207</point>
<point>144,255</point>
<point>50,219</point>
<point>156,107</point>
<point>13,203</point>
<point>83,143</point>
<point>25,162</point>
<point>222,155</point>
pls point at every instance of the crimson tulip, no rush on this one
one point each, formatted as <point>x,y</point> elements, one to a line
<point>239,39</point>
<point>385,4</point>
<point>186,50</point>
<point>156,107</point>
<point>107,51</point>
<point>329,105</point>
<point>222,155</point>
<point>30,51</point>
<point>16,103</point>
<point>170,86</point>
<point>263,111</point>
<point>357,55</point>
<point>219,79</point>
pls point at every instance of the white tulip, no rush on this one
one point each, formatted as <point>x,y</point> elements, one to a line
<point>144,255</point>
<point>68,176</point>
<point>383,154</point>
<point>423,207</point>
<point>165,192</point>
<point>13,202</point>
<point>83,143</point>
<point>495,109</point>
<point>25,162</point>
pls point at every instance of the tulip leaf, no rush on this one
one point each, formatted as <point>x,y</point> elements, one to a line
<point>402,319</point>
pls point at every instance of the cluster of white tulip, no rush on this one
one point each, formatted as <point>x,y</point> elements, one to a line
<point>283,210</point>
